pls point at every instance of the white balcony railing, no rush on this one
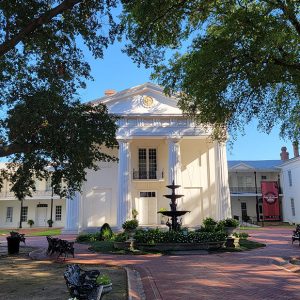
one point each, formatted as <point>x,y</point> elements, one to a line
<point>36,194</point>
<point>147,175</point>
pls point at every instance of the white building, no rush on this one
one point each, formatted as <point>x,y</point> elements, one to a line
<point>157,144</point>
<point>290,174</point>
<point>245,178</point>
<point>37,208</point>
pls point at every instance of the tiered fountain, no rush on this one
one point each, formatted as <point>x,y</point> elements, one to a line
<point>173,213</point>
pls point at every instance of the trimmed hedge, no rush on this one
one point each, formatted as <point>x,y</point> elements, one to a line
<point>154,236</point>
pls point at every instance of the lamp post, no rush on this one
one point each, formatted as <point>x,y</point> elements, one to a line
<point>20,225</point>
<point>51,206</point>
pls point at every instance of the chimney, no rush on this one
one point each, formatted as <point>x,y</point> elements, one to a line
<point>284,155</point>
<point>109,92</point>
<point>296,148</point>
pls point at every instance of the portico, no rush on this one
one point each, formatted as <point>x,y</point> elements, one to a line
<point>157,144</point>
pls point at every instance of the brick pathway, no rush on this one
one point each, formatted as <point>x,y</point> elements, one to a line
<point>226,276</point>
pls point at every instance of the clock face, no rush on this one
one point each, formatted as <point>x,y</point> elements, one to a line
<point>147,101</point>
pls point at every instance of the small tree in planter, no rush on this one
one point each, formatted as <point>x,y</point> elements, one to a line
<point>105,281</point>
<point>229,225</point>
<point>130,225</point>
<point>30,223</point>
<point>50,222</point>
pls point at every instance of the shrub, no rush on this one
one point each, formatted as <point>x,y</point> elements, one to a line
<point>229,222</point>
<point>209,222</point>
<point>121,237</point>
<point>30,222</point>
<point>105,232</point>
<point>88,237</point>
<point>154,236</point>
<point>103,279</point>
<point>130,225</point>
<point>241,235</point>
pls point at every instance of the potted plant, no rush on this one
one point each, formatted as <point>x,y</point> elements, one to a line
<point>130,225</point>
<point>30,223</point>
<point>229,225</point>
<point>50,222</point>
<point>105,281</point>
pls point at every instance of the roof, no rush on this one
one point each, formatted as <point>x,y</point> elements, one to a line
<point>271,165</point>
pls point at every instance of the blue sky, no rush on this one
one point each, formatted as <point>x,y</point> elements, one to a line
<point>117,71</point>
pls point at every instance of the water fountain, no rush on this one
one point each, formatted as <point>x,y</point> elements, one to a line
<point>173,213</point>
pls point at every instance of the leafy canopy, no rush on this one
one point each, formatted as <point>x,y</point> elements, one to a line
<point>41,69</point>
<point>242,62</point>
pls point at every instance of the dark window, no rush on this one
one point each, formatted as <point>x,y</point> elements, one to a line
<point>24,214</point>
<point>58,213</point>
<point>263,177</point>
<point>147,194</point>
<point>290,177</point>
<point>244,211</point>
<point>142,164</point>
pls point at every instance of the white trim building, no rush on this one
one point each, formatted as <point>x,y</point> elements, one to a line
<point>157,144</point>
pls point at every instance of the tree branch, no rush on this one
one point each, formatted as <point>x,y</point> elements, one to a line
<point>36,23</point>
<point>290,15</point>
<point>6,150</point>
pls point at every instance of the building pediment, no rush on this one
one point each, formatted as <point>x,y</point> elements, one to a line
<point>146,99</point>
<point>241,166</point>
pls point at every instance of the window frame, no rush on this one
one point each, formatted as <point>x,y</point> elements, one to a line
<point>58,212</point>
<point>24,214</point>
<point>9,214</point>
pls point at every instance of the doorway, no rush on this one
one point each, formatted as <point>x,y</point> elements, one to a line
<point>41,215</point>
<point>146,205</point>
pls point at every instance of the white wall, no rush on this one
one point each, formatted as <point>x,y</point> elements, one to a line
<point>291,192</point>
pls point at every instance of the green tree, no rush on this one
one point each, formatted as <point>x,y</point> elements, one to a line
<point>42,67</point>
<point>242,59</point>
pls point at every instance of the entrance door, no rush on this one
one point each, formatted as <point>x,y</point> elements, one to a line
<point>41,216</point>
<point>147,208</point>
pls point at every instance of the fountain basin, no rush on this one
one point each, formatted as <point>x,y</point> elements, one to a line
<point>173,196</point>
<point>176,213</point>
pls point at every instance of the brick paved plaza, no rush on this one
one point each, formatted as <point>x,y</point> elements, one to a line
<point>256,274</point>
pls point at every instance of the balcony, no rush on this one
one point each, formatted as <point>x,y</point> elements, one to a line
<point>37,194</point>
<point>148,175</point>
<point>244,190</point>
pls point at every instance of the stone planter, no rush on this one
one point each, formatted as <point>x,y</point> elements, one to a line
<point>229,230</point>
<point>106,288</point>
<point>180,246</point>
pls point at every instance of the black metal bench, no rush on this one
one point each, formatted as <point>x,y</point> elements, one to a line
<point>56,245</point>
<point>296,234</point>
<point>82,284</point>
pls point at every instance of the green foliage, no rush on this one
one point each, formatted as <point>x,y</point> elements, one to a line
<point>130,224</point>
<point>103,279</point>
<point>209,222</point>
<point>154,236</point>
<point>42,68</point>
<point>134,213</point>
<point>242,59</point>
<point>105,232</point>
<point>121,237</point>
<point>229,222</point>
<point>88,237</point>
<point>30,222</point>
<point>241,235</point>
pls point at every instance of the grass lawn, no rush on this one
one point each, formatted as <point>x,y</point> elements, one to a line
<point>33,231</point>
<point>26,279</point>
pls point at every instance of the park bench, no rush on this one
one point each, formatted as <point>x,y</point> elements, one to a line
<point>20,236</point>
<point>56,245</point>
<point>82,284</point>
<point>296,234</point>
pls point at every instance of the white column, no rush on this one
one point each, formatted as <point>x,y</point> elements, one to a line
<point>222,187</point>
<point>72,214</point>
<point>174,160</point>
<point>124,203</point>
